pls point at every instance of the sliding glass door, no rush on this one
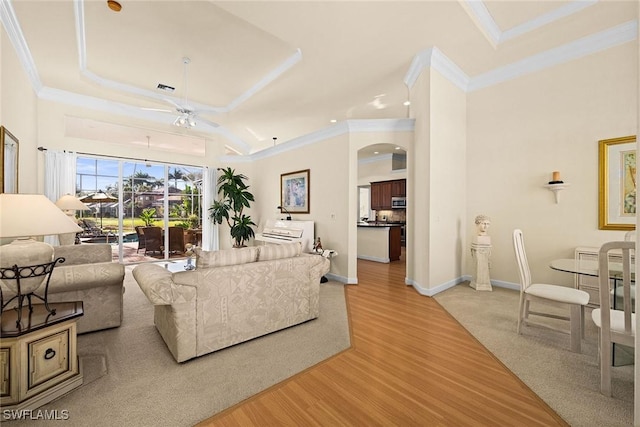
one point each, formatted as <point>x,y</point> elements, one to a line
<point>124,196</point>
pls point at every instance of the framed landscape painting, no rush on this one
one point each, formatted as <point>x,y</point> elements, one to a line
<point>294,191</point>
<point>617,183</point>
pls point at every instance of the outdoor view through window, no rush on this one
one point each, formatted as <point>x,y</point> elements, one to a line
<point>163,200</point>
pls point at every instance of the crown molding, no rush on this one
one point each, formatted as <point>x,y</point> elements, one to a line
<point>484,21</point>
<point>577,49</point>
<point>433,57</point>
<point>338,129</point>
<point>380,125</point>
<point>547,18</point>
<point>98,104</point>
<point>588,45</point>
<point>123,87</point>
<point>12,27</point>
<point>488,26</point>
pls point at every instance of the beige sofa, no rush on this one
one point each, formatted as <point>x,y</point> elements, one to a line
<point>233,296</point>
<point>89,275</point>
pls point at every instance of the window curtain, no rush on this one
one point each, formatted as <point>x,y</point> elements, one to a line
<point>59,179</point>
<point>11,156</point>
<point>210,238</point>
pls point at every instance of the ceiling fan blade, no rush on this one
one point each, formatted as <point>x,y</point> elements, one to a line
<point>207,122</point>
<point>160,110</point>
<point>175,104</point>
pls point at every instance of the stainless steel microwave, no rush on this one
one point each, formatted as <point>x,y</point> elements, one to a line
<point>398,202</point>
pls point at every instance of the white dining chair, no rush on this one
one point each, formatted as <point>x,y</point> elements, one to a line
<point>575,299</point>
<point>617,325</point>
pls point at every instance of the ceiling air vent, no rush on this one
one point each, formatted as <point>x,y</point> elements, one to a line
<point>166,88</point>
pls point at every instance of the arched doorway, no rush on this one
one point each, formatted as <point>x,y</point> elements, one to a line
<point>382,197</point>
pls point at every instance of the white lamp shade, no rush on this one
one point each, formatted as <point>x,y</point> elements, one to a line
<point>30,215</point>
<point>71,203</point>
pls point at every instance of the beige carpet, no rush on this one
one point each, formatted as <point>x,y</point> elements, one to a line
<point>131,379</point>
<point>568,382</point>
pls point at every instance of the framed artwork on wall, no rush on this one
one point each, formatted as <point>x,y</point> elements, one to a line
<point>294,192</point>
<point>8,162</point>
<point>617,183</point>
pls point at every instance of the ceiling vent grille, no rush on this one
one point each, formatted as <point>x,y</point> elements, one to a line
<point>166,88</point>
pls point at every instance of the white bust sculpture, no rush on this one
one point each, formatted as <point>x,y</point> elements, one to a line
<point>482,224</point>
<point>481,252</point>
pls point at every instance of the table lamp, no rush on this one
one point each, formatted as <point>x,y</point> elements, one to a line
<point>70,204</point>
<point>24,216</point>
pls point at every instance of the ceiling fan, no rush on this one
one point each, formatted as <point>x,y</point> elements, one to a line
<point>186,114</point>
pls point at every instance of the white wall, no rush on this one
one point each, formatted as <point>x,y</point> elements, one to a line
<point>378,169</point>
<point>328,189</point>
<point>522,130</point>
<point>447,203</point>
<point>436,184</point>
<point>18,113</point>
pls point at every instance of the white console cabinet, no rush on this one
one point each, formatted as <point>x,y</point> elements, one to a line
<point>590,284</point>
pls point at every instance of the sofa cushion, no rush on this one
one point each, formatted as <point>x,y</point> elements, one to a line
<point>287,250</point>
<point>205,259</point>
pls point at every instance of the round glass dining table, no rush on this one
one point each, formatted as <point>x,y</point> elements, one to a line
<point>589,267</point>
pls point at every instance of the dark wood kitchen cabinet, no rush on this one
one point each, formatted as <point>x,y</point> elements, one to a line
<point>383,191</point>
<point>381,195</point>
<point>399,188</point>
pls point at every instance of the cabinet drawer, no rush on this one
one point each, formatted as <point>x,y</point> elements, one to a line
<point>5,372</point>
<point>48,358</point>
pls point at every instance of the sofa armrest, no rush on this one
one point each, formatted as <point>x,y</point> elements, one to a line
<point>157,284</point>
<point>77,277</point>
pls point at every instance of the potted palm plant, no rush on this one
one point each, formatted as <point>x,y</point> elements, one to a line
<point>235,197</point>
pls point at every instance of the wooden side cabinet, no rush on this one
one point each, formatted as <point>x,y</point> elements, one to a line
<point>38,361</point>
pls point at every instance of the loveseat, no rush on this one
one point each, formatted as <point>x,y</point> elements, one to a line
<point>88,274</point>
<point>232,296</point>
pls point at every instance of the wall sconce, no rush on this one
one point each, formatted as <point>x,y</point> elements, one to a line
<point>556,185</point>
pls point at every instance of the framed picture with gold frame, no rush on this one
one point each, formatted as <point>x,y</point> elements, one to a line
<point>617,183</point>
<point>294,191</point>
<point>8,162</point>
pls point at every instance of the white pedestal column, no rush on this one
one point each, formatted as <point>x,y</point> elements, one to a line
<point>481,252</point>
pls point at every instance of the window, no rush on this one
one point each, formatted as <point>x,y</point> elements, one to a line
<point>148,194</point>
<point>364,202</point>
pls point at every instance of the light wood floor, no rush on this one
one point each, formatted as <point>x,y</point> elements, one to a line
<point>410,363</point>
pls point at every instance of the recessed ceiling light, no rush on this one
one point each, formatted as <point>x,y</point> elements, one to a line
<point>376,152</point>
<point>114,5</point>
<point>406,103</point>
<point>397,148</point>
<point>333,120</point>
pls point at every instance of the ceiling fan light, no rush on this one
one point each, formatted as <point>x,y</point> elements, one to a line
<point>192,122</point>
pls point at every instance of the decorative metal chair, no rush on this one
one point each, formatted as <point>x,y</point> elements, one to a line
<point>27,280</point>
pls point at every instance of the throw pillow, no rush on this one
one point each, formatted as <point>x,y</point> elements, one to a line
<point>221,258</point>
<point>287,250</point>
